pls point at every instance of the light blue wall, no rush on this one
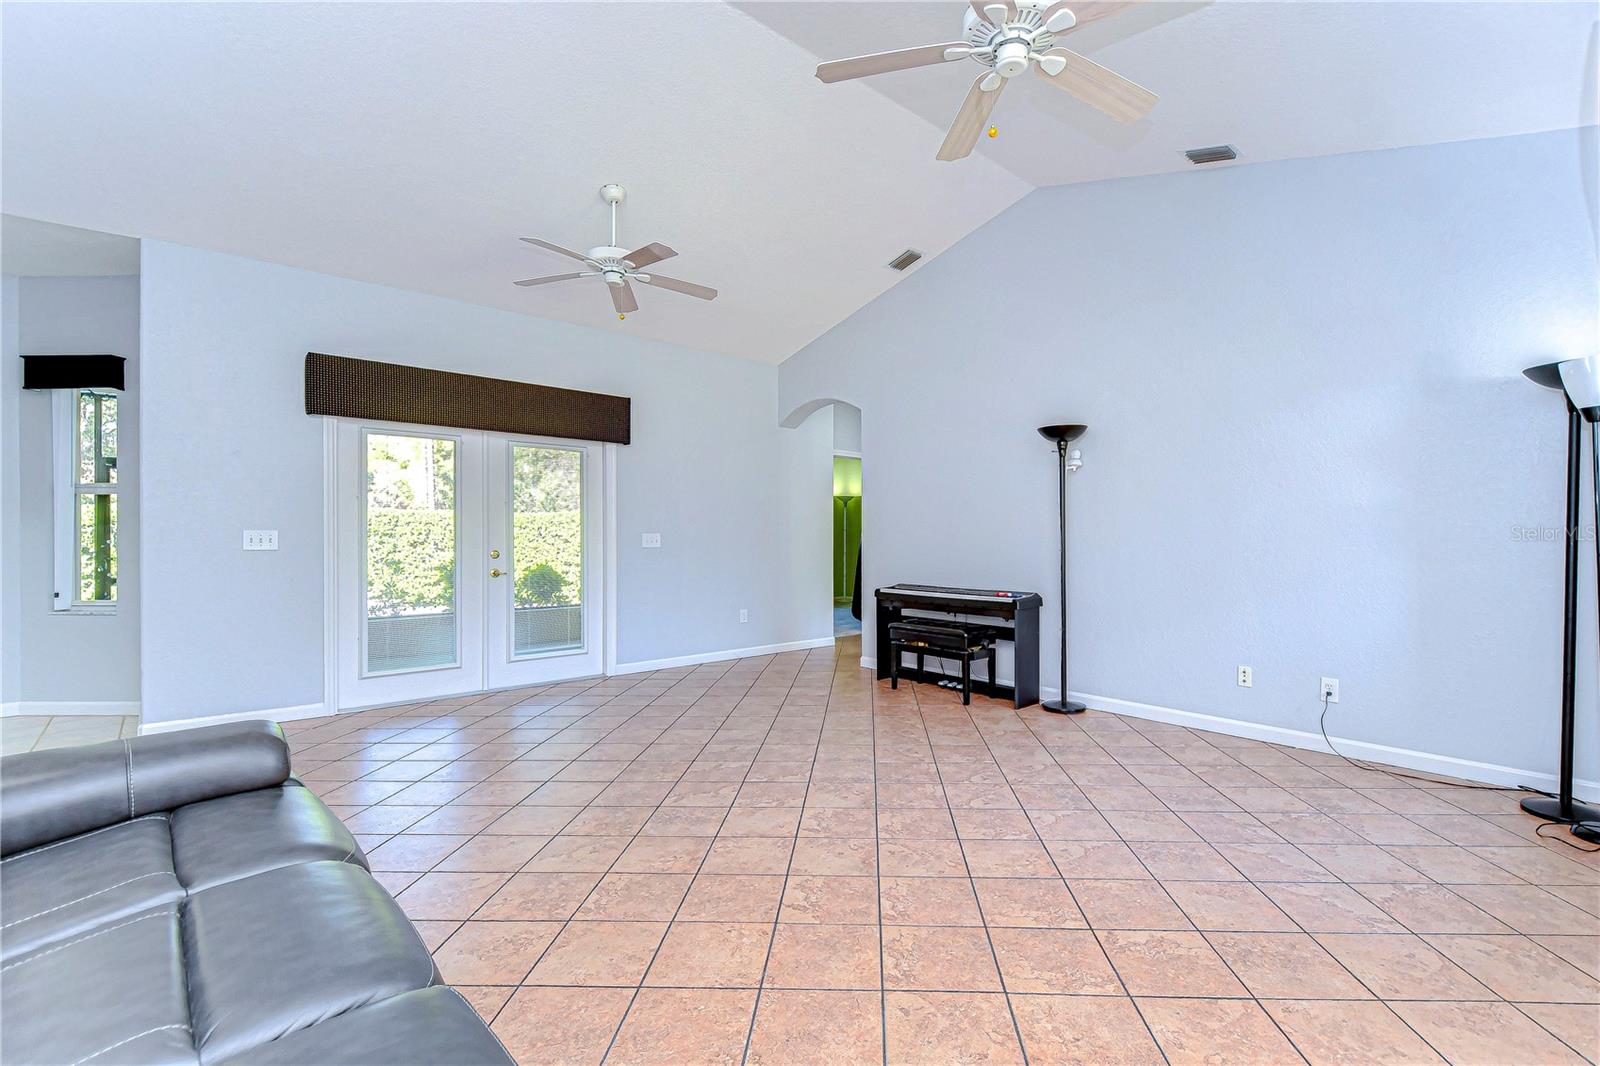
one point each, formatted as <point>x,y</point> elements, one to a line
<point>228,446</point>
<point>1310,442</point>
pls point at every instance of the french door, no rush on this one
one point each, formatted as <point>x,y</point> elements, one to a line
<point>465,561</point>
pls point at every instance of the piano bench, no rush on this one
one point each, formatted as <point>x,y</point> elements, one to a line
<point>942,639</point>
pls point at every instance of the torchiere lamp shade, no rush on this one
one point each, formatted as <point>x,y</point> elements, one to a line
<point>1578,378</point>
<point>1581,379</point>
<point>1064,433</point>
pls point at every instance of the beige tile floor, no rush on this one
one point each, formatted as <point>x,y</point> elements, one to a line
<point>32,732</point>
<point>779,860</point>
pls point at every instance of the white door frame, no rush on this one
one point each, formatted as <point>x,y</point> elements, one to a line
<point>333,486</point>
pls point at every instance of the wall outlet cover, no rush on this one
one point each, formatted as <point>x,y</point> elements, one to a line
<point>744,615</point>
<point>1246,677</point>
<point>1329,690</point>
<point>650,540</point>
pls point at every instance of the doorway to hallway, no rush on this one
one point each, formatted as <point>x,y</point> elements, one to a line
<point>846,544</point>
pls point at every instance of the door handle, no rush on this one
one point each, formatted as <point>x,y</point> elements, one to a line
<point>496,573</point>
<point>495,554</point>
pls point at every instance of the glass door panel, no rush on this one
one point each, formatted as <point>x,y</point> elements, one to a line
<point>546,549</point>
<point>544,588</point>
<point>408,521</point>
<point>412,617</point>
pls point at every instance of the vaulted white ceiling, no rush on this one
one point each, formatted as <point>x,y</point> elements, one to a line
<point>411,144</point>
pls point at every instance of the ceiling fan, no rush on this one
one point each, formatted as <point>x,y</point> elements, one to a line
<point>1008,37</point>
<point>618,266</point>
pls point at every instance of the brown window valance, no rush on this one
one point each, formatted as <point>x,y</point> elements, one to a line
<point>343,387</point>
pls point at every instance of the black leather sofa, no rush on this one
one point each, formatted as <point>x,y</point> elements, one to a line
<point>179,898</point>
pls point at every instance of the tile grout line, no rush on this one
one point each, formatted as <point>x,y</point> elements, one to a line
<point>1162,1051</point>
<point>877,872</point>
<point>794,843</point>
<point>961,846</point>
<point>701,865</point>
<point>1202,933</point>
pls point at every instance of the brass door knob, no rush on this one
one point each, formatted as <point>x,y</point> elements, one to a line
<point>495,554</point>
<point>496,573</point>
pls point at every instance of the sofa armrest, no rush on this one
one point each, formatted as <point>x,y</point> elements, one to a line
<point>54,794</point>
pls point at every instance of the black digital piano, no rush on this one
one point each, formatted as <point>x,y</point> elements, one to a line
<point>995,613</point>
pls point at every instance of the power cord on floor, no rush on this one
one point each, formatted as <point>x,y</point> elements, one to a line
<point>1540,833</point>
<point>1322,725</point>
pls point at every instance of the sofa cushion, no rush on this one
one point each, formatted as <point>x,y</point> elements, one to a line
<point>430,1026</point>
<point>225,839</point>
<point>115,994</point>
<point>48,795</point>
<point>62,890</point>
<point>274,953</point>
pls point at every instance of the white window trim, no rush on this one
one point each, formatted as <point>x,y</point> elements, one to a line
<point>65,492</point>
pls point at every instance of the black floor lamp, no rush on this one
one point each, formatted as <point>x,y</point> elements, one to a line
<point>1579,379</point>
<point>1063,436</point>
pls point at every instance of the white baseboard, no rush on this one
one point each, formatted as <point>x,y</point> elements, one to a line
<point>720,656</point>
<point>49,707</point>
<point>271,714</point>
<point>1427,762</point>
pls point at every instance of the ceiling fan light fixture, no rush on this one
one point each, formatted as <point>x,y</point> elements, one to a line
<point>1011,59</point>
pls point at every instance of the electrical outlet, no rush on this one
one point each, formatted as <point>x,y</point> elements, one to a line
<point>1247,677</point>
<point>650,540</point>
<point>261,540</point>
<point>1329,690</point>
<point>744,615</point>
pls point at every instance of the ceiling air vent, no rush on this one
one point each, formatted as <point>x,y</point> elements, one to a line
<point>905,259</point>
<point>1220,153</point>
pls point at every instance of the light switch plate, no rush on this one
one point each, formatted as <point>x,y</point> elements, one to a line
<point>650,540</point>
<point>261,540</point>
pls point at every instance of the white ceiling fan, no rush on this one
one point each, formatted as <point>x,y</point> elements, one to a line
<point>618,266</point>
<point>1008,37</point>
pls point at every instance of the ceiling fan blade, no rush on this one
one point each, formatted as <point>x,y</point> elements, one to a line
<point>556,277</point>
<point>688,288</point>
<point>1086,11</point>
<point>557,249</point>
<point>650,253</point>
<point>622,298</point>
<point>884,62</point>
<point>1123,100</point>
<point>981,9</point>
<point>970,120</point>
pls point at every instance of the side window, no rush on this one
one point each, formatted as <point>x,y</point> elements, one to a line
<point>86,488</point>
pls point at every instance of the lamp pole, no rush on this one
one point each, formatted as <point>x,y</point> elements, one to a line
<point>1063,435</point>
<point>1579,379</point>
